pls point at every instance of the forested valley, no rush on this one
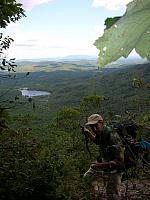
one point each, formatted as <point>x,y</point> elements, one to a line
<point>43,152</point>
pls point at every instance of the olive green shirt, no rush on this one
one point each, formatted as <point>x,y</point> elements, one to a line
<point>111,147</point>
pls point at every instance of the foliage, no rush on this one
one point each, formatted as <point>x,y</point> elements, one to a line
<point>110,21</point>
<point>5,64</point>
<point>91,103</point>
<point>48,161</point>
<point>61,158</point>
<point>68,118</point>
<point>48,167</point>
<point>4,119</point>
<point>10,11</point>
<point>131,31</point>
<point>116,85</point>
<point>18,167</point>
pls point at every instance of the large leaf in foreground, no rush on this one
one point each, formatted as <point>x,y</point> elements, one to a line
<point>131,31</point>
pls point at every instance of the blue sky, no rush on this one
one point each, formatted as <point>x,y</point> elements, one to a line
<point>58,28</point>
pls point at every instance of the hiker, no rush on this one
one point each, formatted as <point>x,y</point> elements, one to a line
<point>111,159</point>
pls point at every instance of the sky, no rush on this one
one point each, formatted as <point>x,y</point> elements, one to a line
<point>59,28</point>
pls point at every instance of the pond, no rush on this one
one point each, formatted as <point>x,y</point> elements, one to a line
<point>33,93</point>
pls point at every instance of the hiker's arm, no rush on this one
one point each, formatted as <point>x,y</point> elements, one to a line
<point>96,165</point>
<point>88,133</point>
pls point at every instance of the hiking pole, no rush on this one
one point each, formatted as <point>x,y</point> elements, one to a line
<point>86,140</point>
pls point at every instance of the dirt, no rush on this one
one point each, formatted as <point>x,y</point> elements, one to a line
<point>139,190</point>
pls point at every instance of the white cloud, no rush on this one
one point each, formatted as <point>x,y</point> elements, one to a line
<point>110,4</point>
<point>29,4</point>
<point>29,45</point>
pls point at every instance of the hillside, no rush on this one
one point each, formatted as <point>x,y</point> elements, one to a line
<point>47,156</point>
<point>50,66</point>
<point>77,79</point>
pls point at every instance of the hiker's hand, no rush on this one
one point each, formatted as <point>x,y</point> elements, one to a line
<point>84,130</point>
<point>97,165</point>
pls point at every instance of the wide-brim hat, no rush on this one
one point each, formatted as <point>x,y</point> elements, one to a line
<point>94,119</point>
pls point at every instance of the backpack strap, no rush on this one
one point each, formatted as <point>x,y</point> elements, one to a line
<point>104,137</point>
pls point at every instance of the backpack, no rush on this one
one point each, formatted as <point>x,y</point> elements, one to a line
<point>127,130</point>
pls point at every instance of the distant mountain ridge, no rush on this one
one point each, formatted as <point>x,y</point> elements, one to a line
<point>73,63</point>
<point>79,57</point>
<point>66,58</point>
<point>73,58</point>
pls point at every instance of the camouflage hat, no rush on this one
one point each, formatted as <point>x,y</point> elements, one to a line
<point>93,119</point>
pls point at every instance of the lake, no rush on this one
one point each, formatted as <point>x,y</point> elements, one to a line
<point>33,93</point>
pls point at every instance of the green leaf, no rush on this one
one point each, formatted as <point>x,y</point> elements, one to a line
<point>10,11</point>
<point>110,21</point>
<point>131,31</point>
